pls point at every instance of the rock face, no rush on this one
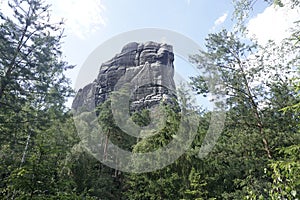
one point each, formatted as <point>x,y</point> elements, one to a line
<point>145,68</point>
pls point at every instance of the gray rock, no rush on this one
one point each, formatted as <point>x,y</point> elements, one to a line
<point>147,69</point>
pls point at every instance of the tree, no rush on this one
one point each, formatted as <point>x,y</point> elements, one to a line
<point>33,90</point>
<point>284,169</point>
<point>255,81</point>
<point>163,183</point>
<point>242,9</point>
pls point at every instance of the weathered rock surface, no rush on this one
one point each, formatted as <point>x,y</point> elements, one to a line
<point>146,68</point>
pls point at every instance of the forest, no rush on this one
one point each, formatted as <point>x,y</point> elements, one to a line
<point>257,155</point>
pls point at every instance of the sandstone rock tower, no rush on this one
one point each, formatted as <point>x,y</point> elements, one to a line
<point>149,69</point>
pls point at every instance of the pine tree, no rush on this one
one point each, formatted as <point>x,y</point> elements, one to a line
<point>33,90</point>
<point>255,81</point>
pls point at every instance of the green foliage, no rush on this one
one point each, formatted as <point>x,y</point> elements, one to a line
<point>93,179</point>
<point>256,157</point>
<point>142,118</point>
<point>111,129</point>
<point>195,190</point>
<point>36,129</point>
<point>162,184</point>
<point>254,126</point>
<point>162,136</point>
<point>285,174</point>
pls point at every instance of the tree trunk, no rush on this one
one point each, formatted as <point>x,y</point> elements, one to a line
<point>105,147</point>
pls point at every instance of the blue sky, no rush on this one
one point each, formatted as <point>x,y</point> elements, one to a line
<point>89,23</point>
<point>192,18</point>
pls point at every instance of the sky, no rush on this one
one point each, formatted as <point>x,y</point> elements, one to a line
<point>90,23</point>
<point>192,18</point>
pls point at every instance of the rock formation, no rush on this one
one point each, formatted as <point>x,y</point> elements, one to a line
<point>147,69</point>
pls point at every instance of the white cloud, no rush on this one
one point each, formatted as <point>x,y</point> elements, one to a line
<point>221,19</point>
<point>7,10</point>
<point>273,23</point>
<point>82,17</point>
